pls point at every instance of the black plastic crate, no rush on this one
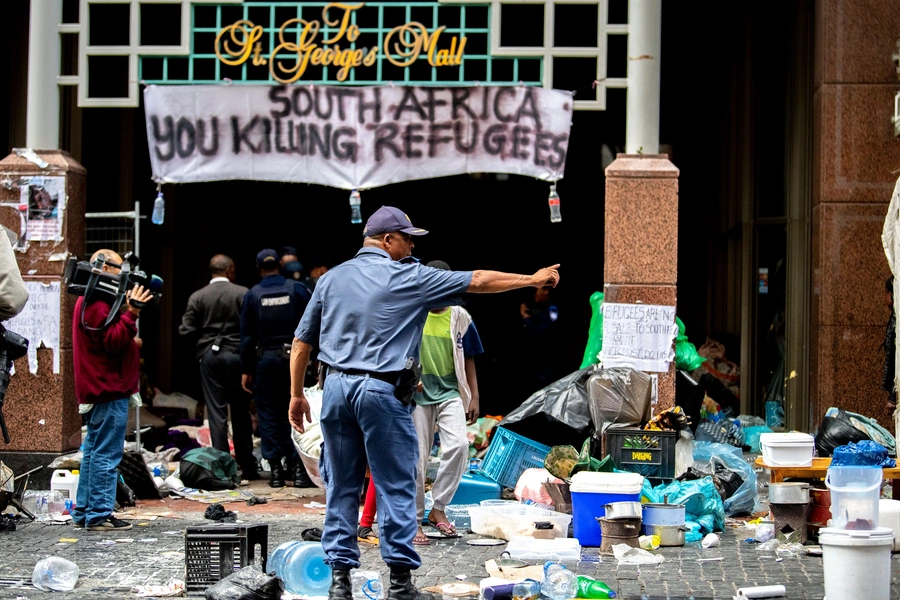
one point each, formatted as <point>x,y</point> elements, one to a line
<point>213,552</point>
<point>650,453</point>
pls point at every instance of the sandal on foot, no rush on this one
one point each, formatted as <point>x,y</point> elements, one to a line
<point>421,540</point>
<point>446,529</point>
<point>365,534</point>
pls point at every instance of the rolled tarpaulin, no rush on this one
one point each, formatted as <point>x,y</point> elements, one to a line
<point>765,591</point>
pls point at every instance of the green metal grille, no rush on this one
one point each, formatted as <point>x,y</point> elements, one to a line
<point>478,66</point>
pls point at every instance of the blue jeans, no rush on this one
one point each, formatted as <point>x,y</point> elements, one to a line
<point>362,418</point>
<point>103,446</point>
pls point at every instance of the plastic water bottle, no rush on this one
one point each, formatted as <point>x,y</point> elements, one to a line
<point>559,582</point>
<point>55,574</point>
<point>524,590</point>
<point>159,209</point>
<point>366,585</point>
<point>588,587</point>
<point>355,213</point>
<point>555,217</point>
<point>301,566</point>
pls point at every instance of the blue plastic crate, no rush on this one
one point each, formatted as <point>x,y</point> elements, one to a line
<point>509,455</point>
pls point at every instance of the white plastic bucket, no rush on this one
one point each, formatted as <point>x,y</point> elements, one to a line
<point>857,564</point>
<point>66,482</point>
<point>854,496</point>
<point>787,449</point>
<point>889,516</point>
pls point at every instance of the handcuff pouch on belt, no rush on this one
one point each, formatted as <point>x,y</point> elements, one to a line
<point>408,381</point>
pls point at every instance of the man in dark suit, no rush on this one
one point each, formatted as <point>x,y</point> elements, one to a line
<point>212,319</point>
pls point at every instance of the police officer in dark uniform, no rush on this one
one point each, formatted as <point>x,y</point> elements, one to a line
<point>269,314</point>
<point>366,317</point>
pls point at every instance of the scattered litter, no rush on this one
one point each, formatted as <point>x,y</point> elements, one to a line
<point>148,540</point>
<point>485,542</point>
<point>144,524</point>
<point>247,582</point>
<point>124,540</point>
<point>314,505</point>
<point>106,543</point>
<point>175,587</point>
<point>814,550</point>
<point>42,422</point>
<point>256,500</point>
<point>626,555</point>
<point>214,497</point>
<point>55,574</point>
<point>711,540</point>
<point>766,591</point>
<point>718,558</point>
<point>110,564</point>
<point>765,532</point>
<point>171,533</point>
<point>649,542</point>
<point>458,589</point>
<point>461,577</point>
<point>67,540</point>
<point>217,513</point>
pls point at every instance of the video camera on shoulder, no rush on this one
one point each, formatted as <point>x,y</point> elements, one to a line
<point>88,279</point>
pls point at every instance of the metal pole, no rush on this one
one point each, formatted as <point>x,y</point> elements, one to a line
<point>42,115</point>
<point>136,250</point>
<point>642,112</point>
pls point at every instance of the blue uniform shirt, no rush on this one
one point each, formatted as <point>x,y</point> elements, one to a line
<point>270,311</point>
<point>367,314</point>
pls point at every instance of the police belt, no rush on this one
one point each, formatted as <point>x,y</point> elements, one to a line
<point>390,377</point>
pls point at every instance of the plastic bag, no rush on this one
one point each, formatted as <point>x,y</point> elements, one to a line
<point>55,574</point>
<point>744,499</point>
<point>248,583</point>
<point>870,427</point>
<point>564,401</point>
<point>864,454</point>
<point>530,486</point>
<point>752,435</point>
<point>837,430</point>
<point>619,396</point>
<point>686,356</point>
<point>595,333</point>
<point>702,503</point>
<point>684,452</point>
<point>626,555</point>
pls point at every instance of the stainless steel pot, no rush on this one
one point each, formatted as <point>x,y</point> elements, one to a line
<point>664,514</point>
<point>622,510</point>
<point>789,493</point>
<point>669,535</point>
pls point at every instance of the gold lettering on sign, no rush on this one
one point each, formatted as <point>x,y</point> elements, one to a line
<point>297,49</point>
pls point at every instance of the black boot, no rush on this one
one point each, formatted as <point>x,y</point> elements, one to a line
<point>301,477</point>
<point>277,480</point>
<point>402,587</point>
<point>340,585</point>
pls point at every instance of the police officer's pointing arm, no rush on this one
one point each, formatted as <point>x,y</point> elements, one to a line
<point>490,282</point>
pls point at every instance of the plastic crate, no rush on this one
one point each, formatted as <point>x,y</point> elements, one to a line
<point>212,552</point>
<point>509,455</point>
<point>458,515</point>
<point>650,453</point>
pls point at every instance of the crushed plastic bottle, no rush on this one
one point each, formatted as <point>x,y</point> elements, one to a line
<point>55,574</point>
<point>559,582</point>
<point>366,585</point>
<point>588,587</point>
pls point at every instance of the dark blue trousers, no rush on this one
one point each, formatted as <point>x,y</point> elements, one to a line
<point>273,397</point>
<point>362,418</point>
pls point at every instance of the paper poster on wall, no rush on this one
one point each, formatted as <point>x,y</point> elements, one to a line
<point>39,321</point>
<point>45,198</point>
<point>639,336</point>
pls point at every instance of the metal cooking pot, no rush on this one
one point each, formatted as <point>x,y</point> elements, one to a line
<point>664,514</point>
<point>669,535</point>
<point>622,510</point>
<point>789,493</point>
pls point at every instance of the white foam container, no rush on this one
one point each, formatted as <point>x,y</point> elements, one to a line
<point>66,483</point>
<point>889,516</point>
<point>514,520</point>
<point>857,564</point>
<point>787,449</point>
<point>559,549</point>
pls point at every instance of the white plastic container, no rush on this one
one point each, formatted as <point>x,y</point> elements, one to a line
<point>787,449</point>
<point>857,564</point>
<point>66,482</point>
<point>889,516</point>
<point>514,520</point>
<point>854,496</point>
<point>559,549</point>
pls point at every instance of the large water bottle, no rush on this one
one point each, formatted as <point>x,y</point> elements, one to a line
<point>301,566</point>
<point>366,585</point>
<point>559,582</point>
<point>54,574</point>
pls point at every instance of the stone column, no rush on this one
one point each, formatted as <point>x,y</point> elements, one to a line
<point>640,259</point>
<point>41,411</point>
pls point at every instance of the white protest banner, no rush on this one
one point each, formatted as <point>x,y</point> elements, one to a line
<point>354,137</point>
<point>639,336</point>
<point>39,321</point>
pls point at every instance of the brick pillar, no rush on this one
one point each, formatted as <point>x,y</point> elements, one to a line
<point>41,410</point>
<point>640,260</point>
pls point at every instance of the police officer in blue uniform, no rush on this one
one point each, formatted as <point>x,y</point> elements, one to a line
<point>269,314</point>
<point>366,317</point>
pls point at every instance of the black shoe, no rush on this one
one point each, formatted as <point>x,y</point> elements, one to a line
<point>402,587</point>
<point>340,585</point>
<point>249,473</point>
<point>110,523</point>
<point>277,479</point>
<point>301,477</point>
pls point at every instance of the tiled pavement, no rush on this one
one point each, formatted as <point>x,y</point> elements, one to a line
<point>109,571</point>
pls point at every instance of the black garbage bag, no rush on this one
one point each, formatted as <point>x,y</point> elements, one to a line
<point>248,583</point>
<point>837,431</point>
<point>124,495</point>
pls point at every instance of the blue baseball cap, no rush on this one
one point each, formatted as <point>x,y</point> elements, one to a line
<point>267,259</point>
<point>387,219</point>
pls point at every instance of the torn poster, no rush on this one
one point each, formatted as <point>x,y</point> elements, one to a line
<point>39,321</point>
<point>639,336</point>
<point>354,137</point>
<point>45,198</point>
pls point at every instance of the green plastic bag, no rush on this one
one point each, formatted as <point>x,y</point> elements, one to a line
<point>686,356</point>
<point>595,335</point>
